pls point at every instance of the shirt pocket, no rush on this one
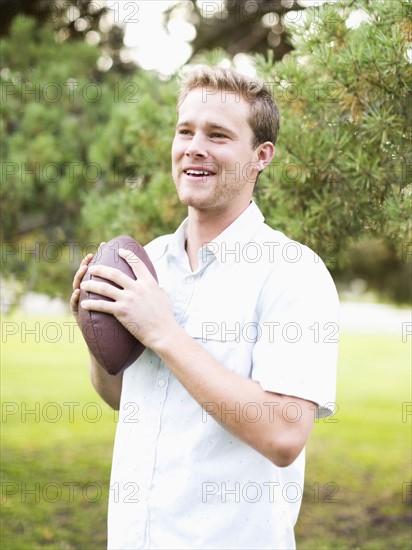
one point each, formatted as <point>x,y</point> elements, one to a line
<point>225,328</point>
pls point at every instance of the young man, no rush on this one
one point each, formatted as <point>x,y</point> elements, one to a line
<point>215,415</point>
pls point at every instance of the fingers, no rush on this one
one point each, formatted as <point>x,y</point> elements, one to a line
<point>110,273</point>
<point>74,302</point>
<point>83,268</point>
<point>99,305</point>
<point>139,268</point>
<point>103,289</point>
<point>74,298</point>
<point>81,271</point>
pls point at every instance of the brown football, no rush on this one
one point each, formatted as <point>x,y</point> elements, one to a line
<point>113,345</point>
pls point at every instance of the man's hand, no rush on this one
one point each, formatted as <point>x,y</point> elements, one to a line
<point>141,303</point>
<point>74,299</point>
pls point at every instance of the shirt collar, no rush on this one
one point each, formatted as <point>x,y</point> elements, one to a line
<point>227,246</point>
<point>177,245</point>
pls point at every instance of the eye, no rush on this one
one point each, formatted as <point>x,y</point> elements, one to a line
<point>184,132</point>
<point>217,135</point>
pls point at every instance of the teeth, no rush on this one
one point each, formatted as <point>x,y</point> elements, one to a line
<point>197,173</point>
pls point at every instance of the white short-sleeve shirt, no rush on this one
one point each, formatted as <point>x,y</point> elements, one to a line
<point>265,307</point>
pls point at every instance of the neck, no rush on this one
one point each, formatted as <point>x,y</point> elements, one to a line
<point>204,226</point>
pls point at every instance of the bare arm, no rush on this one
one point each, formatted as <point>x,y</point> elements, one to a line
<point>216,388</point>
<point>107,386</point>
<point>226,396</point>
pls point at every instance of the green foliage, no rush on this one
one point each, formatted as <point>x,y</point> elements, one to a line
<point>50,112</point>
<point>379,267</point>
<point>344,145</point>
<point>86,154</point>
<point>138,196</point>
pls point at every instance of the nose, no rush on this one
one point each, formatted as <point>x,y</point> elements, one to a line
<point>196,147</point>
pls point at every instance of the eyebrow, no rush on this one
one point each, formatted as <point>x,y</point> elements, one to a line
<point>210,125</point>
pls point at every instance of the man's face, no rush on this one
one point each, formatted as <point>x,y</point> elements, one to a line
<point>213,162</point>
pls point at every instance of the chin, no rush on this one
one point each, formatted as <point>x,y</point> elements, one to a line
<point>190,199</point>
<point>198,203</point>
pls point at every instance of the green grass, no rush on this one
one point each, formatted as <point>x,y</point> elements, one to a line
<point>365,455</point>
<point>57,438</point>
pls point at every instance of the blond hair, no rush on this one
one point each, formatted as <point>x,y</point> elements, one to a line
<point>264,113</point>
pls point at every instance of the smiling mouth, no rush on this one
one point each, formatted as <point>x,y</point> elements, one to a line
<point>198,173</point>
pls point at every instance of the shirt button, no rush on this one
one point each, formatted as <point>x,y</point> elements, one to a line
<point>190,279</point>
<point>161,383</point>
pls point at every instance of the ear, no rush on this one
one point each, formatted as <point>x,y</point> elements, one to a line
<point>264,154</point>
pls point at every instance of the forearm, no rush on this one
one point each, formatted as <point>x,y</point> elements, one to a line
<point>109,387</point>
<point>228,397</point>
<point>147,306</point>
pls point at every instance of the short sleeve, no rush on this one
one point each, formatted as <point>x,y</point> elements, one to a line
<point>297,346</point>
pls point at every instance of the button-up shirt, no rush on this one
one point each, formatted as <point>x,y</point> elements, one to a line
<point>266,308</point>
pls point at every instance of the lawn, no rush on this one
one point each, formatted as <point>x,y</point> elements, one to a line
<point>57,437</point>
